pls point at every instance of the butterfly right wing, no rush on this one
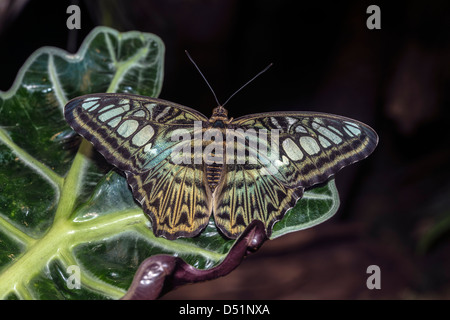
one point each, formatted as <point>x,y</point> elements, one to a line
<point>134,133</point>
<point>310,146</point>
<point>297,151</point>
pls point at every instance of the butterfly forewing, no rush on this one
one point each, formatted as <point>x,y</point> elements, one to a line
<point>310,147</point>
<point>131,132</point>
<point>134,133</point>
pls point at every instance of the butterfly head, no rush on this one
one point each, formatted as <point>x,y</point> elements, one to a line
<point>219,113</point>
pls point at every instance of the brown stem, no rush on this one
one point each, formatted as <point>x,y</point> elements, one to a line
<point>159,274</point>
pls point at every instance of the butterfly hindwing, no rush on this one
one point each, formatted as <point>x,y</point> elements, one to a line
<point>134,133</point>
<point>175,197</point>
<point>248,193</point>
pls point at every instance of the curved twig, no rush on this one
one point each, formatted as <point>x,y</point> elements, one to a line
<point>160,274</point>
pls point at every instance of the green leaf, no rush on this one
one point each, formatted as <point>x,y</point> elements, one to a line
<point>316,206</point>
<point>60,203</point>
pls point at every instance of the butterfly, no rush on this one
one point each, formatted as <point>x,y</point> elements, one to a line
<point>183,166</point>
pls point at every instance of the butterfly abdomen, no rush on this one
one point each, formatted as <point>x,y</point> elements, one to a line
<point>215,151</point>
<point>213,173</point>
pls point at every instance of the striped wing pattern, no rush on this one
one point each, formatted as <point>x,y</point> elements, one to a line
<point>134,134</point>
<point>245,195</point>
<point>312,146</point>
<point>175,197</point>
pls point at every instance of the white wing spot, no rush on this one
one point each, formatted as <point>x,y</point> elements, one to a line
<point>300,129</point>
<point>319,121</point>
<point>87,105</point>
<point>150,106</point>
<point>327,133</point>
<point>324,142</point>
<point>140,113</point>
<point>310,145</point>
<point>124,101</point>
<point>110,114</point>
<point>351,123</point>
<point>356,131</point>
<point>292,150</point>
<point>94,107</point>
<point>143,136</point>
<point>125,107</point>
<point>335,130</point>
<point>290,121</point>
<point>127,128</point>
<point>114,122</point>
<point>348,132</point>
<point>107,107</point>
<point>277,163</point>
<point>275,122</point>
<point>92,99</point>
<point>148,148</point>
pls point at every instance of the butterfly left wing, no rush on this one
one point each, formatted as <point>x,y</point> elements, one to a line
<point>299,150</point>
<point>134,133</point>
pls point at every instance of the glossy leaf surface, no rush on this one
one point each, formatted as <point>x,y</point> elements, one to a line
<point>63,212</point>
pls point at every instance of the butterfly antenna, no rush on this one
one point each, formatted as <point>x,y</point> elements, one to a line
<point>204,78</point>
<point>261,72</point>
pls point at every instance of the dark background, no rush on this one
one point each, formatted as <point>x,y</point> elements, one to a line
<point>395,205</point>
